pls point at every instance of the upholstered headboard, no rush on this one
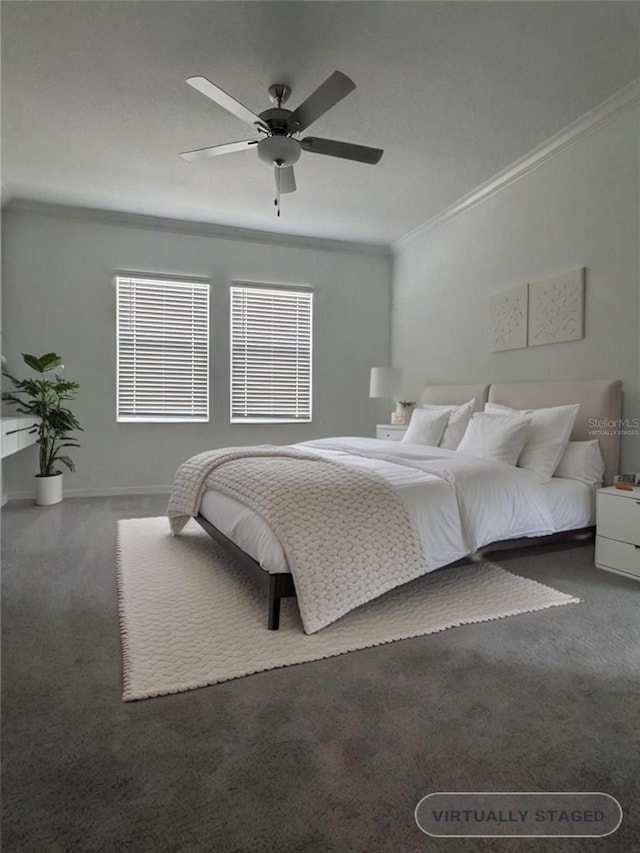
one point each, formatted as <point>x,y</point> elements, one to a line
<point>456,395</point>
<point>600,400</point>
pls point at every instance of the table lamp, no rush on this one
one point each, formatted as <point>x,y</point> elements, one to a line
<point>385,382</point>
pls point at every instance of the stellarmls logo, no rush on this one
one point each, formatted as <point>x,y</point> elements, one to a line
<point>518,815</point>
<point>613,426</point>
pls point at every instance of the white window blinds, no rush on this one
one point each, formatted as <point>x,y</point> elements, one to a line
<point>163,350</point>
<point>271,351</point>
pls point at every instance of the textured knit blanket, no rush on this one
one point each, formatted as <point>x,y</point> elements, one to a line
<point>347,533</point>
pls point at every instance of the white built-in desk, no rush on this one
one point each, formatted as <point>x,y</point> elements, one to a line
<point>12,443</point>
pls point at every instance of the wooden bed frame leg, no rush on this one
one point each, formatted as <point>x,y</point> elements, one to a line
<point>273,621</point>
<point>280,585</point>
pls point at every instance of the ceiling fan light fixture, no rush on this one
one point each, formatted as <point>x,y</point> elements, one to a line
<point>281,150</point>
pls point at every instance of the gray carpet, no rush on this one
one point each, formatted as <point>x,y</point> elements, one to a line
<point>327,756</point>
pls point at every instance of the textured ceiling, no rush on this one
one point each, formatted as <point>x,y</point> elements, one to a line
<point>95,108</point>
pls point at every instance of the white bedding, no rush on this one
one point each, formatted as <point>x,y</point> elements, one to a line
<point>572,504</point>
<point>426,478</point>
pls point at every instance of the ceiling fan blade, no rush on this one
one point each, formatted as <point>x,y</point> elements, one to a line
<point>287,179</point>
<point>346,150</point>
<point>334,89</point>
<point>214,150</point>
<point>215,93</point>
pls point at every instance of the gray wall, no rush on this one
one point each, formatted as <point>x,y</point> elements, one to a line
<point>578,208</point>
<point>58,296</point>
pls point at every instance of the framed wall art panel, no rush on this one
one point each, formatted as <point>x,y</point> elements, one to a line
<point>509,318</point>
<point>556,308</point>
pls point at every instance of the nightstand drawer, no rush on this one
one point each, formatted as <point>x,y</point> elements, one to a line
<point>619,518</point>
<point>390,433</point>
<point>619,556</point>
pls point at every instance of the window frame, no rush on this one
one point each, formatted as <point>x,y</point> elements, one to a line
<point>179,281</point>
<point>298,289</point>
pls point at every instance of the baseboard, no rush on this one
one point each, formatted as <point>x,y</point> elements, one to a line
<point>98,492</point>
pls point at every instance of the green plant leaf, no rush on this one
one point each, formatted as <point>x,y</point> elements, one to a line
<point>65,388</point>
<point>16,382</point>
<point>50,361</point>
<point>32,361</point>
<point>43,363</point>
<point>65,461</point>
<point>11,398</point>
<point>20,429</point>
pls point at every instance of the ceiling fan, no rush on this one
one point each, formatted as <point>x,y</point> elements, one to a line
<point>280,127</point>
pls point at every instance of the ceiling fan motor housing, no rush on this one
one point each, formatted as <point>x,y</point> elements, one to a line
<point>278,121</point>
<point>281,150</point>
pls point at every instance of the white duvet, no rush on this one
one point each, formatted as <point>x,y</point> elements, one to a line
<point>459,503</point>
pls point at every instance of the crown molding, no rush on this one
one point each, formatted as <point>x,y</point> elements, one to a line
<point>191,228</point>
<point>614,106</point>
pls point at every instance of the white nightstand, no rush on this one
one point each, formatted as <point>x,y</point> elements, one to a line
<point>618,531</point>
<point>390,432</point>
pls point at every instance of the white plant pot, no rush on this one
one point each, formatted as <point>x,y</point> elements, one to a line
<point>49,490</point>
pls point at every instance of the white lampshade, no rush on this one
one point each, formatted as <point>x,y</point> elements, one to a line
<point>385,382</point>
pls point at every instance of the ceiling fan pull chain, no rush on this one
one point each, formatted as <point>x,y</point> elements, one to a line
<point>277,198</point>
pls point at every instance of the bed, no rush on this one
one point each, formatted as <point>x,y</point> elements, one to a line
<point>446,492</point>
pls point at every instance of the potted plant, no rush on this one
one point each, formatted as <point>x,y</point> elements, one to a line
<point>42,398</point>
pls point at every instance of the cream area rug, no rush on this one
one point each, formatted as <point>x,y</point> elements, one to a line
<point>189,616</point>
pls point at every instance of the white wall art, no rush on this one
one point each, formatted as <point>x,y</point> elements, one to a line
<point>556,308</point>
<point>509,318</point>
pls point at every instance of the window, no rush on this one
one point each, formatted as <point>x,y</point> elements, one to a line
<point>163,349</point>
<point>270,354</point>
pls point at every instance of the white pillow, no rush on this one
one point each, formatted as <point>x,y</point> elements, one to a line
<point>459,417</point>
<point>426,427</point>
<point>548,436</point>
<point>497,437</point>
<point>582,460</point>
